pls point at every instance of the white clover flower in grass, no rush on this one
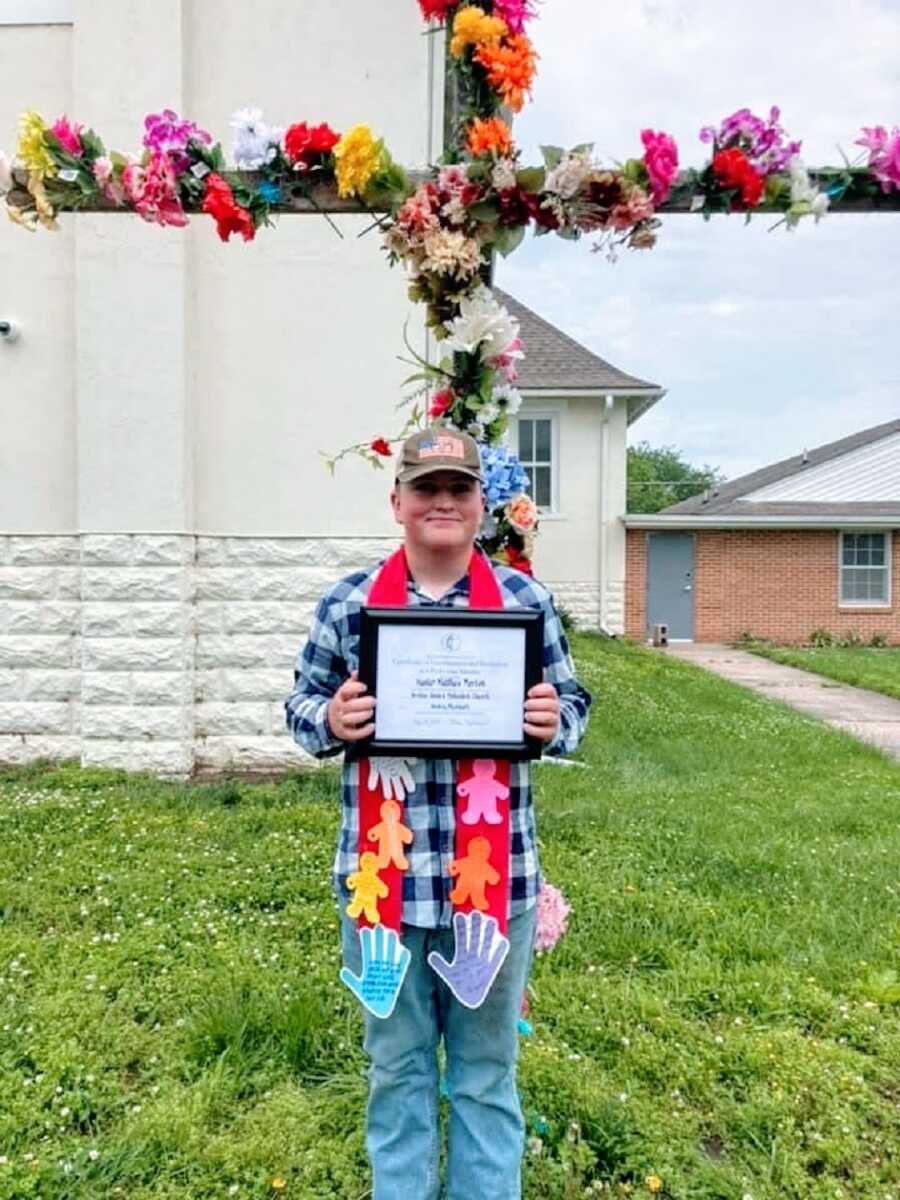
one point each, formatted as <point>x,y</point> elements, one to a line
<point>566,179</point>
<point>255,142</point>
<point>483,326</point>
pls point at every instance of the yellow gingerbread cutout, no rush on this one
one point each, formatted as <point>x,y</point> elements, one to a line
<point>368,889</point>
<point>474,872</point>
<point>391,835</point>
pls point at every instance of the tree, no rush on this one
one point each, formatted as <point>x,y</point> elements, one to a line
<point>660,476</point>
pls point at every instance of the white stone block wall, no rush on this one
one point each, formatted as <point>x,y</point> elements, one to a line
<point>167,653</point>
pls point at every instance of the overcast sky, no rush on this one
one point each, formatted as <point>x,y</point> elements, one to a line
<point>766,342</point>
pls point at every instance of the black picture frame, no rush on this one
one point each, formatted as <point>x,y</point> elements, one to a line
<point>372,620</point>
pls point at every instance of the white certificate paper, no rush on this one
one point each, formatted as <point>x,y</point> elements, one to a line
<point>445,683</point>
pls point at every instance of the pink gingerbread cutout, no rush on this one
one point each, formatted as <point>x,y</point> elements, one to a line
<point>483,791</point>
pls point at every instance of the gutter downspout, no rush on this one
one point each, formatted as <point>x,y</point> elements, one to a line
<point>603,513</point>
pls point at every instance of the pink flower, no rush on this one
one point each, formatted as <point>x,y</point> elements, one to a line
<point>105,177</point>
<point>884,154</point>
<point>69,135</point>
<point>515,13</point>
<point>637,207</point>
<point>441,402</point>
<point>506,362</point>
<point>552,913</point>
<point>661,161</point>
<point>153,190</point>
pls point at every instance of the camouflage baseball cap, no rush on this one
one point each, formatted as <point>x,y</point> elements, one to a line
<point>438,449</point>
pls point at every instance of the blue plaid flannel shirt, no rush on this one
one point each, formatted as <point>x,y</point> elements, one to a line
<point>323,664</point>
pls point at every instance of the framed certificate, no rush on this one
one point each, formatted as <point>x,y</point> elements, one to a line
<point>450,683</point>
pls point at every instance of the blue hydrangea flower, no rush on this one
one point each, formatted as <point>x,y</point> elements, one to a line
<point>270,192</point>
<point>502,475</point>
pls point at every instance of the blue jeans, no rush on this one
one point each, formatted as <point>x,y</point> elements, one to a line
<point>486,1132</point>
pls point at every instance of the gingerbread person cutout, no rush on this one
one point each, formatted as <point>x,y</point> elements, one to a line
<point>474,872</point>
<point>391,835</point>
<point>483,791</point>
<point>368,889</point>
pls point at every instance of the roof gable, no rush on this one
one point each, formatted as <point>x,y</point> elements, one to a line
<point>554,361</point>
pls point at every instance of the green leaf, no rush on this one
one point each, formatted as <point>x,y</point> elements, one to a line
<point>509,240</point>
<point>583,148</point>
<point>486,211</point>
<point>531,179</point>
<point>553,156</point>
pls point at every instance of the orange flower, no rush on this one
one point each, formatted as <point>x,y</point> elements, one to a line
<point>511,68</point>
<point>490,136</point>
<point>473,27</point>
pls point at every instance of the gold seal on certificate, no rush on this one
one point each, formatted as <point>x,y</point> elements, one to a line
<point>450,683</point>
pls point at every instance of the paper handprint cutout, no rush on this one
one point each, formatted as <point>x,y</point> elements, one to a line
<point>384,965</point>
<point>479,951</point>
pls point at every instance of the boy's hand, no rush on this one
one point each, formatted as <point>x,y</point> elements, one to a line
<point>350,711</point>
<point>542,712</point>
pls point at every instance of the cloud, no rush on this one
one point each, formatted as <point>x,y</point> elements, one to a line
<point>765,341</point>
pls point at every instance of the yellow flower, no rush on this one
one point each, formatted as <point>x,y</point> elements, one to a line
<point>278,1183</point>
<point>45,213</point>
<point>18,216</point>
<point>473,27</point>
<point>358,157</point>
<point>32,152</point>
<point>653,1182</point>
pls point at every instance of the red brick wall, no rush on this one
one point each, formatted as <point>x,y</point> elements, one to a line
<point>769,583</point>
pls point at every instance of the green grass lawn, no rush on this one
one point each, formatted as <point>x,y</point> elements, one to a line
<point>722,1019</point>
<point>862,666</point>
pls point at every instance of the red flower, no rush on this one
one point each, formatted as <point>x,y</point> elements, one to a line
<point>219,202</point>
<point>515,206</point>
<point>307,145</point>
<point>441,402</point>
<point>436,10</point>
<point>382,446</point>
<point>517,560</point>
<point>733,170</point>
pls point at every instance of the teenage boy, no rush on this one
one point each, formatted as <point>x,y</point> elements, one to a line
<point>438,500</point>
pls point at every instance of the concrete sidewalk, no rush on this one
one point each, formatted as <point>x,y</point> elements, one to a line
<point>866,715</point>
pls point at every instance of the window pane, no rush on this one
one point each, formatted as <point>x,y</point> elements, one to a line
<point>866,584</point>
<point>529,471</point>
<point>848,557</point>
<point>542,439</point>
<point>542,495</point>
<point>526,441</point>
<point>877,552</point>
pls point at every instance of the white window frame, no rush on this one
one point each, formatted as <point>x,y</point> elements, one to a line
<point>887,534</point>
<point>37,12</point>
<point>552,415</point>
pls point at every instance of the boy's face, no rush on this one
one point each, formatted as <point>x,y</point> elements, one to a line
<point>439,511</point>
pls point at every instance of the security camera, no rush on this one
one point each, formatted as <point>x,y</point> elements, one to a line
<point>9,331</point>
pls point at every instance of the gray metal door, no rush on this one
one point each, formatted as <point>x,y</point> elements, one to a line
<point>670,583</point>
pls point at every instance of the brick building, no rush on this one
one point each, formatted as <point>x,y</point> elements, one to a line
<point>810,543</point>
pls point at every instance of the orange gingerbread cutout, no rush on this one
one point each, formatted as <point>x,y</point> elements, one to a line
<point>483,791</point>
<point>474,872</point>
<point>391,835</point>
<point>367,889</point>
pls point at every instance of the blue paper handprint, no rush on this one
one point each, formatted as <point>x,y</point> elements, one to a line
<point>479,951</point>
<point>384,965</point>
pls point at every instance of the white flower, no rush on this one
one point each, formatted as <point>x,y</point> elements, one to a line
<point>503,175</point>
<point>6,177</point>
<point>566,178</point>
<point>805,198</point>
<point>255,142</point>
<point>508,397</point>
<point>482,324</point>
<point>475,429</point>
<point>488,413</point>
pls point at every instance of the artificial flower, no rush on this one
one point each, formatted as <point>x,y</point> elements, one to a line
<point>6,175</point>
<point>511,66</point>
<point>417,214</point>
<point>569,175</point>
<point>516,206</point>
<point>503,176</point>
<point>358,158</point>
<point>450,252</point>
<point>483,326</point>
<point>167,133</point>
<point>552,917</point>
<point>884,154</point>
<point>104,174</point>
<point>502,475</point>
<point>255,143</point>
<point>306,146</point>
<point>473,27</point>
<point>381,446</point>
<point>441,403</point>
<point>153,190</point>
<point>805,196</point>
<point>489,135</point>
<point>436,10</point>
<point>504,394</point>
<point>661,161</point>
<point>220,204</point>
<point>633,208</point>
<point>597,200</point>
<point>43,207</point>
<point>69,136</point>
<point>733,170</point>
<point>515,13</point>
<point>762,141</point>
<point>516,559</point>
<point>32,150</point>
<point>522,514</point>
